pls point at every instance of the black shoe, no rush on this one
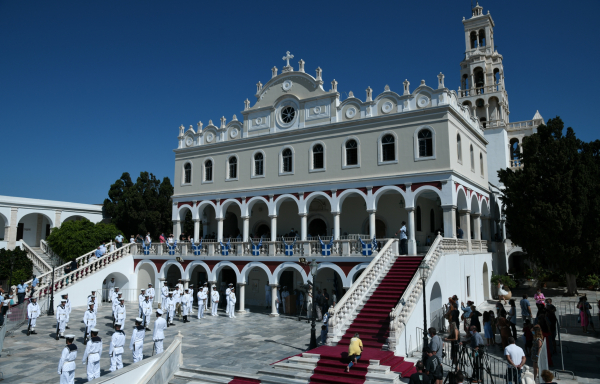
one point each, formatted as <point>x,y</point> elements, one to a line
<point>173,324</point>
<point>67,327</point>
<point>147,329</point>
<point>34,333</point>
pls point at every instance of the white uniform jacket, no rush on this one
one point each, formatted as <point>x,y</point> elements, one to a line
<point>33,311</point>
<point>93,350</point>
<point>137,337</point>
<point>159,326</point>
<point>67,359</point>
<point>116,343</point>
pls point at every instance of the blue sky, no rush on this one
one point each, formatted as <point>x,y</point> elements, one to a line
<point>91,89</point>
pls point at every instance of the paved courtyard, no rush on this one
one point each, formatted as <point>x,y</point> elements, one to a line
<point>244,344</point>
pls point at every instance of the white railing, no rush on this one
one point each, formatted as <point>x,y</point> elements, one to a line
<point>342,315</point>
<point>400,314</point>
<point>480,90</point>
<point>516,163</point>
<point>346,247</point>
<point>61,270</point>
<point>87,265</point>
<point>37,261</point>
<point>48,251</point>
<point>524,124</point>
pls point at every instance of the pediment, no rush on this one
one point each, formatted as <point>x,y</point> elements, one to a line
<point>297,84</point>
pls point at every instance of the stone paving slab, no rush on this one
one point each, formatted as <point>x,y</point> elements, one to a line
<point>244,344</point>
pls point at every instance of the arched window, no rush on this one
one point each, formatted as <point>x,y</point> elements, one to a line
<point>425,143</point>
<point>387,148</point>
<point>481,163</point>
<point>432,221</point>
<point>258,164</point>
<point>419,221</point>
<point>351,152</point>
<point>286,160</point>
<point>472,159</point>
<point>459,148</point>
<point>208,168</point>
<point>482,38</point>
<point>187,173</point>
<point>318,157</point>
<point>473,39</point>
<point>232,167</point>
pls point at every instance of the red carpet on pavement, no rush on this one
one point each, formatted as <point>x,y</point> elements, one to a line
<point>372,325</point>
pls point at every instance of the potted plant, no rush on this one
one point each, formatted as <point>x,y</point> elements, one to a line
<point>592,281</point>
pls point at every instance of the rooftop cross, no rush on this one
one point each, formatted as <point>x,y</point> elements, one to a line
<point>287,58</point>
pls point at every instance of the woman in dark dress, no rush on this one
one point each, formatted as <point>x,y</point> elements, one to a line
<point>475,318</point>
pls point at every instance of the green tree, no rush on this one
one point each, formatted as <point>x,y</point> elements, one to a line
<point>141,207</point>
<point>552,205</point>
<point>22,267</point>
<point>75,238</point>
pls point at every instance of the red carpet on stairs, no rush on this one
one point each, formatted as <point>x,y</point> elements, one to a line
<point>372,325</point>
<point>243,380</point>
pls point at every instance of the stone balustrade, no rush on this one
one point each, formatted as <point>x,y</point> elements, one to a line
<point>346,247</point>
<point>37,261</point>
<point>516,164</point>
<point>60,270</point>
<point>342,315</point>
<point>87,266</point>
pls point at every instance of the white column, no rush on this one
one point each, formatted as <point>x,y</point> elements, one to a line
<point>477,226</point>
<point>465,224</point>
<point>412,243</point>
<point>242,297</point>
<point>12,236</point>
<point>186,283</point>
<point>246,228</point>
<point>176,228</point>
<point>371,223</point>
<point>303,234</point>
<point>57,221</point>
<point>197,230</point>
<point>449,221</point>
<point>273,298</point>
<point>336,225</point>
<point>38,230</point>
<point>273,227</point>
<point>220,229</point>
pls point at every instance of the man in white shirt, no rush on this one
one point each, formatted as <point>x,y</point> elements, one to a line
<point>150,292</point>
<point>89,319</point>
<point>141,299</point>
<point>214,298</point>
<point>33,312</point>
<point>403,239</point>
<point>137,341</point>
<point>232,301</point>
<point>66,364</point>
<point>227,295</point>
<point>104,290</point>
<point>186,302</point>
<point>159,326</point>
<point>148,239</point>
<point>111,289</point>
<point>164,291</point>
<point>119,240</point>
<point>202,297</point>
<point>116,348</point>
<point>516,359</point>
<point>92,355</point>
<point>170,308</point>
<point>146,312</point>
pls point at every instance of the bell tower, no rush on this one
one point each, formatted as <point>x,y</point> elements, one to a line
<point>481,71</point>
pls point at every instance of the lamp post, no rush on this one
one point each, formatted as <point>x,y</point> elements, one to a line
<point>54,259</point>
<point>313,332</point>
<point>423,268</point>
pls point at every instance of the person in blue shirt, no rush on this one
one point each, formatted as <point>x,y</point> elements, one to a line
<point>34,284</point>
<point>21,291</point>
<point>459,232</point>
<point>99,252</point>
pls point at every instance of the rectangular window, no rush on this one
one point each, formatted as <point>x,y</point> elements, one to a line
<point>232,171</point>
<point>208,173</point>
<point>388,152</point>
<point>318,161</point>
<point>287,164</point>
<point>258,167</point>
<point>352,156</point>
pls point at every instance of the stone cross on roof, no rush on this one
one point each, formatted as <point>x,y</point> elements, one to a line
<point>287,58</point>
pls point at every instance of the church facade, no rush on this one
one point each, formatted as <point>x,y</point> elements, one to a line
<point>303,167</point>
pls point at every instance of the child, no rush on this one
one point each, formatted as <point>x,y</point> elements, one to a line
<point>323,334</point>
<point>527,331</point>
<point>487,327</point>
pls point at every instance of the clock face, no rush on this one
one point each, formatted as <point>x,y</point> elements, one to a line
<point>189,141</point>
<point>287,85</point>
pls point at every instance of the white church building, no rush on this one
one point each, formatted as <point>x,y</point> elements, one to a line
<point>300,159</point>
